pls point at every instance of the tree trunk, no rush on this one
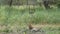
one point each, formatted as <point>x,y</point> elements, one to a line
<point>10,2</point>
<point>46,4</point>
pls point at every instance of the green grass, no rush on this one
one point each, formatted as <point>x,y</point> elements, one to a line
<point>53,32</point>
<point>15,14</point>
<point>16,18</point>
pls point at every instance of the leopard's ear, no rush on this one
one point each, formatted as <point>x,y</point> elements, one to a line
<point>30,26</point>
